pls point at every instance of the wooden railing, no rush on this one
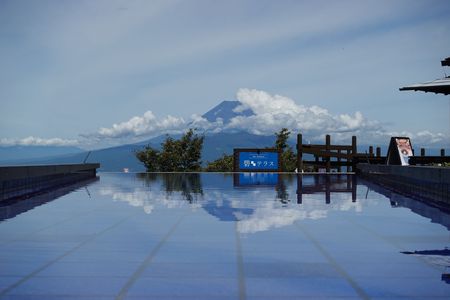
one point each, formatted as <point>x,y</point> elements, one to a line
<point>323,155</point>
<point>426,160</point>
<point>327,184</point>
<point>328,156</point>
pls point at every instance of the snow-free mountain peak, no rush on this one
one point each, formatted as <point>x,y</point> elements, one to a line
<point>225,111</point>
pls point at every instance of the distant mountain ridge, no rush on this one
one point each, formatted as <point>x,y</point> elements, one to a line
<point>17,153</point>
<point>115,159</point>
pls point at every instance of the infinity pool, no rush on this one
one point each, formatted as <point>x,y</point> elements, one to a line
<point>219,236</point>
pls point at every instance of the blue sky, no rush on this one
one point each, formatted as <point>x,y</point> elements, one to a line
<point>70,70</point>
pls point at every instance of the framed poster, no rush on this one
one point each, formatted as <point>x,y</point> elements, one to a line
<point>399,151</point>
<point>404,150</point>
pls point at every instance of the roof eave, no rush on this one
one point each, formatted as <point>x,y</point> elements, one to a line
<point>430,89</point>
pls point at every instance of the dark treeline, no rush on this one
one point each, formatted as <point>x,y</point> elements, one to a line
<point>184,155</point>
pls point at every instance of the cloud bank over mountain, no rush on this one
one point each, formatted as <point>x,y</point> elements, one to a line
<point>270,114</point>
<point>256,112</point>
<point>148,124</point>
<point>37,141</point>
<point>275,112</point>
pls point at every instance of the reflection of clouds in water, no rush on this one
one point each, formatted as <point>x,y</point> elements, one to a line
<point>269,217</point>
<point>148,199</point>
<point>215,196</point>
<point>437,260</point>
<point>440,261</point>
<point>317,214</point>
<point>273,215</point>
<point>344,201</point>
<point>266,213</point>
<point>136,198</point>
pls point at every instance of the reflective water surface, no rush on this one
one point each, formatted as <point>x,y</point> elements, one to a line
<point>219,236</point>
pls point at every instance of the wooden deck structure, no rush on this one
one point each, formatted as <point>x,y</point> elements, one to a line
<point>327,184</point>
<point>425,160</point>
<point>327,155</point>
<point>330,157</point>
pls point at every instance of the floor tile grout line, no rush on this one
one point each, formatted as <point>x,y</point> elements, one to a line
<point>7,243</point>
<point>40,269</point>
<point>361,293</point>
<point>396,245</point>
<point>123,292</point>
<point>240,265</point>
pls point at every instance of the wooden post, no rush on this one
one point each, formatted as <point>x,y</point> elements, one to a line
<point>422,151</point>
<point>442,152</point>
<point>349,181</point>
<point>327,189</point>
<point>327,150</point>
<point>299,153</point>
<point>339,162</point>
<point>378,152</point>
<point>354,185</point>
<point>354,149</point>
<point>348,155</point>
<point>316,168</point>
<point>299,189</point>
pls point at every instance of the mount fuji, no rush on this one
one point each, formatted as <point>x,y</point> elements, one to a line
<point>226,111</point>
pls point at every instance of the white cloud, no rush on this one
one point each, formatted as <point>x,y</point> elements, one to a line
<point>146,125</point>
<point>275,112</point>
<point>425,136</point>
<point>36,141</point>
<point>271,113</point>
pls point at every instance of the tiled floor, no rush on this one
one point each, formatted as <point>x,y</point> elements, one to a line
<point>131,237</point>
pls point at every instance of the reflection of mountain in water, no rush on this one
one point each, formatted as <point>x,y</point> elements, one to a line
<point>190,187</point>
<point>258,208</point>
<point>255,208</point>
<point>225,211</point>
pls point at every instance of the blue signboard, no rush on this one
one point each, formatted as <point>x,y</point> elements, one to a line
<point>258,160</point>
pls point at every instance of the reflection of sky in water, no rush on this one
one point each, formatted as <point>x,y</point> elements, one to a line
<point>176,236</point>
<point>255,207</point>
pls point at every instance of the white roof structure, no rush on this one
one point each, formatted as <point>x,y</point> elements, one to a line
<point>439,86</point>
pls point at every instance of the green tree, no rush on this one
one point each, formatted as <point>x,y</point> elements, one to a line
<point>288,157</point>
<point>169,160</point>
<point>288,160</point>
<point>282,138</point>
<point>181,155</point>
<point>149,157</point>
<point>191,151</point>
<point>223,164</point>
